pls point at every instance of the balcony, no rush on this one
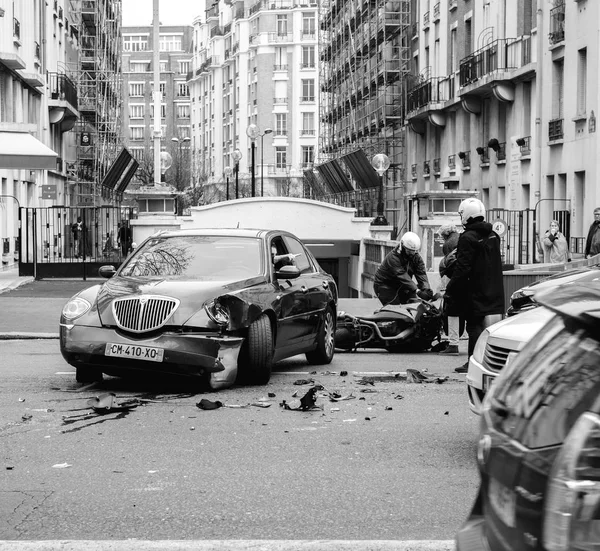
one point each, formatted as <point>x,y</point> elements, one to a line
<point>524,145</point>
<point>433,90</point>
<point>557,24</point>
<point>280,67</point>
<point>426,19</point>
<point>465,157</point>
<point>436,12</point>
<point>436,166</point>
<point>500,61</point>
<point>555,130</point>
<point>307,132</point>
<point>452,162</point>
<point>279,37</point>
<point>413,171</point>
<point>16,31</point>
<point>426,169</point>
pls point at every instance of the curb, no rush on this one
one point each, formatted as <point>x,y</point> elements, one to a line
<point>229,545</point>
<point>16,283</point>
<point>18,335</point>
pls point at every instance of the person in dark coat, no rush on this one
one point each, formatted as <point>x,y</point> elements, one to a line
<point>124,238</point>
<point>393,283</point>
<point>476,288</point>
<point>592,243</point>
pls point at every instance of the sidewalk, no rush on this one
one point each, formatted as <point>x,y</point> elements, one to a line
<point>10,279</point>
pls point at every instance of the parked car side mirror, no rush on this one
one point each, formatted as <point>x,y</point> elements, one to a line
<point>107,271</point>
<point>288,272</point>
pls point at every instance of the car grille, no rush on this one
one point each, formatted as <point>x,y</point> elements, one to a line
<point>495,357</point>
<point>143,313</point>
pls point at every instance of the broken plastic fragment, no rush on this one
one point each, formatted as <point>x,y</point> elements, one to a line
<point>61,466</point>
<point>343,373</point>
<point>335,397</point>
<point>261,404</point>
<point>107,403</point>
<point>304,382</point>
<point>306,403</point>
<point>366,381</point>
<point>207,404</point>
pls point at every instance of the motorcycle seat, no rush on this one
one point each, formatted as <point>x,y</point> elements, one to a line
<point>385,316</point>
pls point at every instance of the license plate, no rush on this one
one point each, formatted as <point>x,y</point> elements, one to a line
<point>502,501</point>
<point>134,352</point>
<point>488,381</point>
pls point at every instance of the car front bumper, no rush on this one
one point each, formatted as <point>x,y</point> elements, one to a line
<point>471,537</point>
<point>195,355</point>
<point>479,379</point>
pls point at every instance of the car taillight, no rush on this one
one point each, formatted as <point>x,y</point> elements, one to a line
<point>572,509</point>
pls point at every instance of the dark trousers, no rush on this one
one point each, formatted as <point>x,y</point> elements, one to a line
<point>475,326</point>
<point>393,295</point>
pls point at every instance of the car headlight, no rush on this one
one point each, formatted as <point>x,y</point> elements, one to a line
<point>75,308</point>
<point>521,293</point>
<point>217,312</point>
<point>479,350</point>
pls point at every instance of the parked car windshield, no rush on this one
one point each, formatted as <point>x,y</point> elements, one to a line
<point>195,257</point>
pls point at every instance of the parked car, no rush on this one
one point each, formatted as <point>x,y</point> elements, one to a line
<point>496,347</point>
<point>539,447</point>
<point>524,298</point>
<point>219,304</point>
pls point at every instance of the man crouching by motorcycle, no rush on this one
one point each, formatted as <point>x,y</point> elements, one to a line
<point>394,282</point>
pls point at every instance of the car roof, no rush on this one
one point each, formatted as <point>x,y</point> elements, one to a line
<point>225,232</point>
<point>578,301</point>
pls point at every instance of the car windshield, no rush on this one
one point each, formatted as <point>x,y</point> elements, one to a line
<point>195,257</point>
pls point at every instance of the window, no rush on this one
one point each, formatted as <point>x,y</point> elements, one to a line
<point>136,132</point>
<point>164,66</point>
<point>558,89</point>
<point>184,67</point>
<point>308,155</point>
<point>183,131</point>
<point>163,110</point>
<point>309,24</point>
<point>301,260</point>
<point>136,89</point>
<point>468,37</point>
<point>162,87</point>
<point>163,129</point>
<point>137,153</point>
<point>139,66</point>
<point>170,43</point>
<point>281,157</point>
<point>308,124</point>
<point>183,110</point>
<point>137,43</point>
<point>308,57</point>
<point>136,111</point>
<point>453,52</point>
<point>280,124</point>
<point>582,81</point>
<point>183,90</point>
<point>282,26</point>
<point>308,90</point>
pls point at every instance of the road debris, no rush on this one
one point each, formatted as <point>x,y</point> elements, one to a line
<point>416,376</point>
<point>207,404</point>
<point>61,466</point>
<point>107,403</point>
<point>304,381</point>
<point>306,403</point>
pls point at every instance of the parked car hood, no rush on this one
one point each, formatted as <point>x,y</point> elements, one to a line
<point>520,329</point>
<point>192,294</point>
<point>568,276</point>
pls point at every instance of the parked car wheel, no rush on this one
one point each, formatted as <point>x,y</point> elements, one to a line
<point>87,375</point>
<point>323,354</point>
<point>257,353</point>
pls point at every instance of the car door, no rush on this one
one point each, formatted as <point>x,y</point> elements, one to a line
<point>290,306</point>
<point>314,288</point>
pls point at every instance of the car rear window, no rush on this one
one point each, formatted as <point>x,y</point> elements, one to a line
<point>193,257</point>
<point>550,384</point>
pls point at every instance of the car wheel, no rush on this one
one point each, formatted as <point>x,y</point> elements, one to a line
<point>323,354</point>
<point>257,353</point>
<point>87,375</point>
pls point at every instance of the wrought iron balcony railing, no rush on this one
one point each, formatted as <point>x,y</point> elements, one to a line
<point>436,165</point>
<point>16,28</point>
<point>555,130</point>
<point>452,162</point>
<point>61,87</point>
<point>557,24</point>
<point>426,168</point>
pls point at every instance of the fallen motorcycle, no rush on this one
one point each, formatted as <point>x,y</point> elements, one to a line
<point>412,327</point>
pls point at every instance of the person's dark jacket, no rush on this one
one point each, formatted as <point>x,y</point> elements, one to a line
<point>476,287</point>
<point>590,237</point>
<point>449,249</point>
<point>397,270</point>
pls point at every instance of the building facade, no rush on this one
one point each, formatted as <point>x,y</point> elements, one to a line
<point>138,108</point>
<point>502,104</point>
<point>255,63</point>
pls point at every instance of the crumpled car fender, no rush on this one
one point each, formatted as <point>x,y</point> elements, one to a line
<point>242,313</point>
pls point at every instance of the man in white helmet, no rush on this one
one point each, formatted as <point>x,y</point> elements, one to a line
<point>476,287</point>
<point>394,282</point>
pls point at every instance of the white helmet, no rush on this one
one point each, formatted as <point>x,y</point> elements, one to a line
<point>410,241</point>
<point>470,208</point>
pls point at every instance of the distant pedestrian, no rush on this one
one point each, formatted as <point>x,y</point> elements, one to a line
<point>394,282</point>
<point>77,229</point>
<point>476,288</point>
<point>452,324</point>
<point>124,238</point>
<point>554,243</point>
<point>592,243</point>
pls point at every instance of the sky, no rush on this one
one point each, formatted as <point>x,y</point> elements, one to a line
<point>170,12</point>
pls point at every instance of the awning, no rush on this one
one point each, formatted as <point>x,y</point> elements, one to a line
<point>21,150</point>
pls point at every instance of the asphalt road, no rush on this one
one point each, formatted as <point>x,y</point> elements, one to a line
<point>395,462</point>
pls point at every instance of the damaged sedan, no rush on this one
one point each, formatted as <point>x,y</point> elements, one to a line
<point>222,305</point>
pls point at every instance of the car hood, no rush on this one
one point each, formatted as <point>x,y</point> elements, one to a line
<point>192,294</point>
<point>520,329</point>
<point>568,276</point>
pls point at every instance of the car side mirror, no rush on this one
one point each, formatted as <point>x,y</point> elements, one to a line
<point>288,272</point>
<point>107,271</point>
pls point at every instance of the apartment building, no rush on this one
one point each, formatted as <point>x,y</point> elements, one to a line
<point>501,104</point>
<point>138,107</point>
<point>254,91</point>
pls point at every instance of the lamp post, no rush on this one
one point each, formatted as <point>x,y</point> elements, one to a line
<point>252,132</point>
<point>262,160</point>
<point>227,172</point>
<point>380,163</point>
<point>236,156</point>
<point>179,144</point>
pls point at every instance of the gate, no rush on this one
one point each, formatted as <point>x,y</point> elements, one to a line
<point>517,241</point>
<point>70,242</point>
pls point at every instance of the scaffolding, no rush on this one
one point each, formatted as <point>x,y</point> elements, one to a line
<point>365,60</point>
<point>99,83</point>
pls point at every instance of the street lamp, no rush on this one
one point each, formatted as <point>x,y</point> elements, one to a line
<point>262,161</point>
<point>236,156</point>
<point>179,144</point>
<point>380,163</point>
<point>252,132</point>
<point>227,172</point>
